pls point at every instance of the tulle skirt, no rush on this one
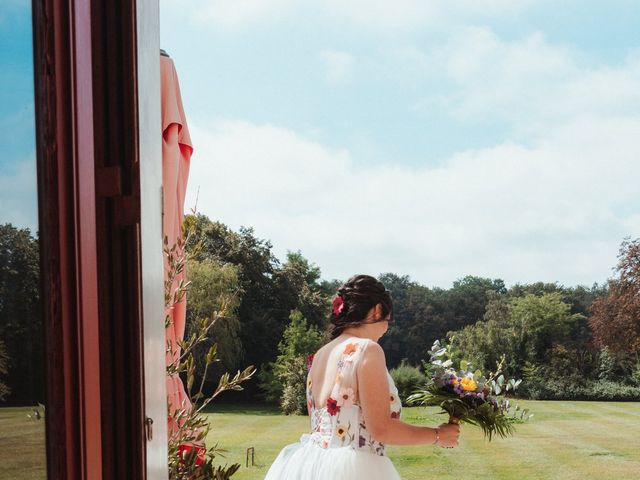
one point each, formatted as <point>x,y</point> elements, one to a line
<point>308,461</point>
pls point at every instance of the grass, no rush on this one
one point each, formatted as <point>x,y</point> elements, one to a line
<point>22,446</point>
<point>564,440</point>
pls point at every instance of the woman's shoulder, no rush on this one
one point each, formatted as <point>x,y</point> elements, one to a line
<point>351,347</point>
<point>371,349</point>
<point>357,346</point>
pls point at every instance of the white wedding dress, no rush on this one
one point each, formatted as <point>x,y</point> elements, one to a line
<point>339,446</point>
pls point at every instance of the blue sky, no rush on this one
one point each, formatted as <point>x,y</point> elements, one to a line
<point>435,139</point>
<point>18,203</point>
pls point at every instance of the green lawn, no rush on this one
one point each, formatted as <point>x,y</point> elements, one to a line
<point>22,447</point>
<point>564,440</point>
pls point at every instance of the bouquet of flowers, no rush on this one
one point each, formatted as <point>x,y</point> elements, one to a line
<point>467,396</point>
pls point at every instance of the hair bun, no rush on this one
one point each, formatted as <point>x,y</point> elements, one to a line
<point>360,294</point>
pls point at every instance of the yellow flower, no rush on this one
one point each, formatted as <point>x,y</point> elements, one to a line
<point>341,430</point>
<point>468,384</point>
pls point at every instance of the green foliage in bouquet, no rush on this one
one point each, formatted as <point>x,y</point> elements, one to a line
<point>188,457</point>
<point>468,396</point>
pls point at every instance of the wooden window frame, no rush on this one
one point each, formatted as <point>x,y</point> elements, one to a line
<point>97,99</point>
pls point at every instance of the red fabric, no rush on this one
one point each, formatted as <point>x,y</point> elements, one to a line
<point>185,449</point>
<point>176,158</point>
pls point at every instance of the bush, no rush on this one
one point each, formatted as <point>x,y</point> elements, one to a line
<point>605,390</point>
<point>408,379</point>
<point>294,381</point>
<point>4,369</point>
<point>635,374</point>
<point>555,389</point>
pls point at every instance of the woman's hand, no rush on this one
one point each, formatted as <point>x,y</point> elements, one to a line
<point>448,435</point>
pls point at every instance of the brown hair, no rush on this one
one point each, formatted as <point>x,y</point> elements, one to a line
<point>360,294</point>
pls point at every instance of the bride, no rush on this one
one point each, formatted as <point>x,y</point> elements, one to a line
<point>352,401</point>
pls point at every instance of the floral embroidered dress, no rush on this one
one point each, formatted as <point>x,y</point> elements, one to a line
<point>339,445</point>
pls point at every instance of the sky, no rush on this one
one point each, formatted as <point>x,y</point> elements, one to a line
<point>18,201</point>
<point>434,139</point>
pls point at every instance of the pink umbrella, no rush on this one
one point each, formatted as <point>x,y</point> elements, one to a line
<point>176,157</point>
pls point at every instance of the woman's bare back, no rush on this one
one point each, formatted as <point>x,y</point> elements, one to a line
<point>325,369</point>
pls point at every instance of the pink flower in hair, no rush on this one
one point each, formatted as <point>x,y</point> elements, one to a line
<point>338,305</point>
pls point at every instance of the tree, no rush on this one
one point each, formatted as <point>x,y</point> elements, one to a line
<point>284,380</point>
<point>21,314</point>
<point>484,343</point>
<point>214,284</point>
<point>524,329</point>
<point>539,322</point>
<point>615,317</point>
<point>259,329</point>
<point>607,365</point>
<point>297,287</point>
<point>468,299</point>
<point>422,315</point>
<point>188,455</point>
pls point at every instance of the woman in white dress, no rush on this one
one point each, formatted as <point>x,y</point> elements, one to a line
<point>353,403</point>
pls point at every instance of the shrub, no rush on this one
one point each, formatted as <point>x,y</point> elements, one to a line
<point>4,369</point>
<point>408,379</point>
<point>603,390</point>
<point>635,374</point>
<point>606,390</point>
<point>294,381</point>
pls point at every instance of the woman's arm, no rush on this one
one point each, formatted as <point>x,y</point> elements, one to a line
<point>373,388</point>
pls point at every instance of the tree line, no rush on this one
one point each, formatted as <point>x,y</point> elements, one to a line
<point>565,342</point>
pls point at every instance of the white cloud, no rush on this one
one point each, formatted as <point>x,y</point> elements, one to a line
<point>338,66</point>
<point>549,201</point>
<point>380,15</point>
<point>399,15</point>
<point>18,194</point>
<point>530,83</point>
<point>547,212</point>
<point>233,14</point>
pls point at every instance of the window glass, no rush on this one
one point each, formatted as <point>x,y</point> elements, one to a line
<point>22,409</point>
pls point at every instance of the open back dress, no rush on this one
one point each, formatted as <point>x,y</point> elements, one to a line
<point>339,446</point>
